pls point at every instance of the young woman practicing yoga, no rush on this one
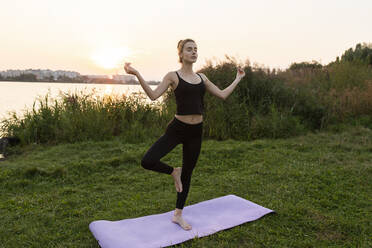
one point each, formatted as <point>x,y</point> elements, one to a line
<point>187,124</point>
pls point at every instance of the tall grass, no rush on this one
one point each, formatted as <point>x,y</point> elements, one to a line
<point>342,92</point>
<point>265,104</point>
<point>276,104</point>
<point>80,116</point>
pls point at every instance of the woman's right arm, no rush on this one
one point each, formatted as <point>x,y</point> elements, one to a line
<point>162,87</point>
<point>152,94</point>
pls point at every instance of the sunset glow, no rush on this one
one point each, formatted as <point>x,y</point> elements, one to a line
<point>96,38</point>
<point>111,57</point>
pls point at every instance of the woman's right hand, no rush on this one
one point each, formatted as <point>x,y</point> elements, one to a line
<point>240,73</point>
<point>129,69</point>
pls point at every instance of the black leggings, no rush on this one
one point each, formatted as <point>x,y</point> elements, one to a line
<point>190,135</point>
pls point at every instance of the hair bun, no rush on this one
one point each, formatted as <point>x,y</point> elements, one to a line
<point>179,43</point>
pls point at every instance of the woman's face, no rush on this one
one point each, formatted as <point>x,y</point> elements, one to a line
<point>190,52</point>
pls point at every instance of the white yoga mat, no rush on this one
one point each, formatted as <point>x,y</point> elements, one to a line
<point>158,230</point>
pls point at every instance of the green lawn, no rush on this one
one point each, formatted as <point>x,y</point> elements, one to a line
<point>318,184</point>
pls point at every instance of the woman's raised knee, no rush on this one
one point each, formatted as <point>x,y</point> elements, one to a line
<point>147,163</point>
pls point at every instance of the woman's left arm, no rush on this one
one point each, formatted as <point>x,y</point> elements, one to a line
<point>223,94</point>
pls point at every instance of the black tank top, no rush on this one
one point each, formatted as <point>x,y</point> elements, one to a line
<point>189,97</point>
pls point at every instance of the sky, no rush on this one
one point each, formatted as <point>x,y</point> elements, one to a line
<point>97,37</point>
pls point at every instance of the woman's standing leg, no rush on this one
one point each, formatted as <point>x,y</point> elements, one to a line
<point>191,151</point>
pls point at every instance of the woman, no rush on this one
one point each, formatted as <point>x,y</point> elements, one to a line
<point>187,124</point>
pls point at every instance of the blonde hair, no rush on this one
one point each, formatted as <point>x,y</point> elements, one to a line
<point>180,46</point>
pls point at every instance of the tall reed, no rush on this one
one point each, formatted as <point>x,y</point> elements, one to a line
<point>80,116</point>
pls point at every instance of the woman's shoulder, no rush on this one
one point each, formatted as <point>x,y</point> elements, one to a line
<point>172,77</point>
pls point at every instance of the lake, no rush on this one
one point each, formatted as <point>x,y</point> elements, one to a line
<point>18,96</point>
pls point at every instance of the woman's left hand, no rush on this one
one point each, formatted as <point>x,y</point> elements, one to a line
<point>240,73</point>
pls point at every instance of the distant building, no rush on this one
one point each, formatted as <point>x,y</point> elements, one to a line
<point>124,78</point>
<point>10,73</point>
<point>40,74</point>
<point>97,76</point>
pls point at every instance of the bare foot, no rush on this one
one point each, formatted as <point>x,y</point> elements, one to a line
<point>177,178</point>
<point>180,221</point>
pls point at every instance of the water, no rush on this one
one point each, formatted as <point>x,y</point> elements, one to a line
<point>19,96</point>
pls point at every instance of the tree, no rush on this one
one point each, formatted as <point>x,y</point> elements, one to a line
<point>305,65</point>
<point>361,54</point>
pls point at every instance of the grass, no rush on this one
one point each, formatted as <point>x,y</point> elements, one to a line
<point>319,185</point>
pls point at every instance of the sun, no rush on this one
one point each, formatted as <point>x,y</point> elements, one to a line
<point>110,58</point>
